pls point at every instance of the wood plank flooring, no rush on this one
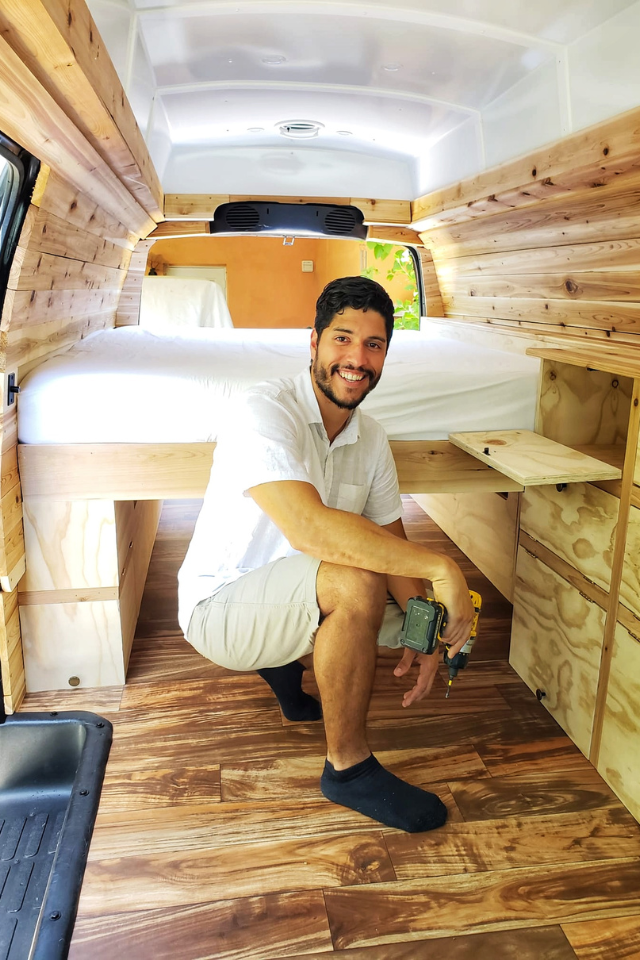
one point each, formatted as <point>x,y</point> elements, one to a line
<point>212,838</point>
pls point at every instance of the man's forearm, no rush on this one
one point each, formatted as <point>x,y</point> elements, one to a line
<point>344,538</point>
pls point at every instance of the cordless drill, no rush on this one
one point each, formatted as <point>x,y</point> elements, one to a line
<point>424,622</point>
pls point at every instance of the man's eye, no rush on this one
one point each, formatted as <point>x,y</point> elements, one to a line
<point>374,345</point>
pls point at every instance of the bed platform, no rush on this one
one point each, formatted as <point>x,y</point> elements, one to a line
<point>127,419</point>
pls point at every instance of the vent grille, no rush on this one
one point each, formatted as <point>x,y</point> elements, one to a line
<point>242,216</point>
<point>289,219</point>
<point>339,220</point>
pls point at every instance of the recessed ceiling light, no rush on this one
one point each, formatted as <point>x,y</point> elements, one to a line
<point>300,129</point>
<point>274,61</point>
<point>255,129</point>
<point>391,67</point>
<point>345,133</point>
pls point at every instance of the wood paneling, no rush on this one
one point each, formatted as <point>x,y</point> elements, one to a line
<point>484,526</point>
<point>630,585</point>
<point>579,405</point>
<point>32,117</point>
<point>556,644</point>
<point>151,471</point>
<point>64,52</point>
<point>578,523</point>
<point>129,303</point>
<point>70,545</point>
<point>618,758</point>
<point>55,648</point>
<point>13,678</point>
<point>552,255</point>
<point>194,206</point>
<point>587,159</point>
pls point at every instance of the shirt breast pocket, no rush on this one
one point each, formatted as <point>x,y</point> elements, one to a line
<point>352,497</point>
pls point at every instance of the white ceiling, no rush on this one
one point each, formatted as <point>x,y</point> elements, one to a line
<point>424,91</point>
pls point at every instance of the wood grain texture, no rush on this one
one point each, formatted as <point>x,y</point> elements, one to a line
<point>153,471</point>
<point>618,758</point>
<point>499,900</point>
<point>578,523</point>
<point>534,943</point>
<point>241,870</point>
<point>268,928</point>
<point>66,55</point>
<point>556,644</point>
<point>531,459</point>
<point>617,938</point>
<point>534,791</point>
<point>299,776</point>
<point>504,844</point>
<point>591,157</point>
<point>579,406</point>
<point>630,583</point>
<point>165,834</point>
<point>484,527</point>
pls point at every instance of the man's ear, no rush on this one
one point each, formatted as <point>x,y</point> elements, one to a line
<point>314,343</point>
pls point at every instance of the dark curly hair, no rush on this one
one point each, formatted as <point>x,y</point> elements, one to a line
<point>360,293</point>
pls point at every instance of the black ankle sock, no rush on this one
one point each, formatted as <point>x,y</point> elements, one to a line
<point>370,789</point>
<point>286,683</point>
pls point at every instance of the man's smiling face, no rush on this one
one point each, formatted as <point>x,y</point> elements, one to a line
<point>348,358</point>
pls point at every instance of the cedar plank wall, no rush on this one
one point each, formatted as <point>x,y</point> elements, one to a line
<point>96,196</point>
<point>548,245</point>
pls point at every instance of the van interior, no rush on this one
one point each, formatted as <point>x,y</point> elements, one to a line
<point>179,181</point>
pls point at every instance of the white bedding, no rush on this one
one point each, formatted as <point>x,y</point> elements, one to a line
<point>168,303</point>
<point>132,386</point>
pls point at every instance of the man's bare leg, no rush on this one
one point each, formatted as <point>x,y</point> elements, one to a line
<point>352,604</point>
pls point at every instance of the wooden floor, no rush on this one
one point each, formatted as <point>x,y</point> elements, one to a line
<point>213,840</point>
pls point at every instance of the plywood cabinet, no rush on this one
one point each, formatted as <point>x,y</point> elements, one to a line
<point>556,645</point>
<point>577,585</point>
<point>577,522</point>
<point>79,600</point>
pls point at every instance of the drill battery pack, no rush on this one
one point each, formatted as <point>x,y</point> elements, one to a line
<point>424,621</point>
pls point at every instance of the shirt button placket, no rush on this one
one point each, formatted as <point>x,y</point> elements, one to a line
<point>328,473</point>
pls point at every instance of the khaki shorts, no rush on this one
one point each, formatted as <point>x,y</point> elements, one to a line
<point>269,617</point>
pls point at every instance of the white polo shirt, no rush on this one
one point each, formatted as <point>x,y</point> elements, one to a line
<point>276,433</point>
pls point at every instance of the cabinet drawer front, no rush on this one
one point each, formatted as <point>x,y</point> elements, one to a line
<point>556,644</point>
<point>578,524</point>
<point>630,585</point>
<point>619,760</point>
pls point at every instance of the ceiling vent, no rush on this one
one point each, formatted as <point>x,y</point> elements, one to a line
<point>340,220</point>
<point>299,129</point>
<point>289,219</point>
<point>242,216</point>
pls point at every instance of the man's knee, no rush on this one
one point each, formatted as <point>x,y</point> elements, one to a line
<point>350,590</point>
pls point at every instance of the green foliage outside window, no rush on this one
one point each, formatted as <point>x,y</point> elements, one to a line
<point>407,312</point>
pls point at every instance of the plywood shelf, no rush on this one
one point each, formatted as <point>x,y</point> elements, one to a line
<point>533,460</point>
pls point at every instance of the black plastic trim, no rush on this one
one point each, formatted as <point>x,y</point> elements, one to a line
<point>278,219</point>
<point>57,914</point>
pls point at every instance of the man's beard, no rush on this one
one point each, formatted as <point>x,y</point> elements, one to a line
<point>323,380</point>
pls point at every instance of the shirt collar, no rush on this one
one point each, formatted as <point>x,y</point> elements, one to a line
<point>308,402</point>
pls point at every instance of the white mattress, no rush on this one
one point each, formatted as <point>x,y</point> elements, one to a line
<point>132,386</point>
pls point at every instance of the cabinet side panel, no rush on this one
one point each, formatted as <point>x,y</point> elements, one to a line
<point>556,645</point>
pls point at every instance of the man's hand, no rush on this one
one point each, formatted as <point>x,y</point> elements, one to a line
<point>451,589</point>
<point>428,663</point>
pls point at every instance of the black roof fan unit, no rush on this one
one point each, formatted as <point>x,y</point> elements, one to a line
<point>290,219</point>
